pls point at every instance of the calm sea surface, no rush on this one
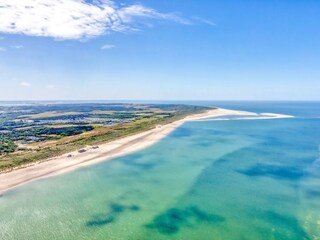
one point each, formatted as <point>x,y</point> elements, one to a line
<point>237,179</point>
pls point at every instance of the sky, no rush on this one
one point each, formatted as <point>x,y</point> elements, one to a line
<point>160,50</point>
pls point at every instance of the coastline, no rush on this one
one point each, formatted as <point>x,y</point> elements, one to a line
<point>110,150</point>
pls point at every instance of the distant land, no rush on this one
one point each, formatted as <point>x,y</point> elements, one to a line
<point>34,131</point>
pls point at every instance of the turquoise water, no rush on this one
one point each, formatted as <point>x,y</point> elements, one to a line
<point>237,179</point>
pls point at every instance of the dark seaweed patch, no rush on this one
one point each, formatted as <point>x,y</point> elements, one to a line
<point>115,210</point>
<point>174,219</point>
<point>103,220</point>
<point>134,208</point>
<point>274,171</point>
<point>313,193</point>
<point>170,221</point>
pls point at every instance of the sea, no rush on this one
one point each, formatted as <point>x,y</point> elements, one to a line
<point>229,179</point>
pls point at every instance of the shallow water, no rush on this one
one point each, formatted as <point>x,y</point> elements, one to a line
<point>241,179</point>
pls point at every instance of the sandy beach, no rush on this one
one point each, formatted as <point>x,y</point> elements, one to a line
<point>107,151</point>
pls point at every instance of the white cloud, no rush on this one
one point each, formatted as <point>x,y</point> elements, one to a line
<point>107,46</point>
<point>50,86</point>
<point>2,49</point>
<point>17,46</point>
<point>131,13</point>
<point>205,21</point>
<point>74,19</point>
<point>25,84</point>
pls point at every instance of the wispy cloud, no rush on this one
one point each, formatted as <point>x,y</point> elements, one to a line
<point>107,46</point>
<point>132,13</point>
<point>17,46</point>
<point>75,19</point>
<point>205,21</point>
<point>50,86</point>
<point>25,84</point>
<point>2,49</point>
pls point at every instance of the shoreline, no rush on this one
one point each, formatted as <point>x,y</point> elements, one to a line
<point>107,151</point>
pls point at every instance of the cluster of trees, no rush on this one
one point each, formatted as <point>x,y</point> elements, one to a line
<point>37,133</point>
<point>10,125</point>
<point>67,131</point>
<point>64,117</point>
<point>7,146</point>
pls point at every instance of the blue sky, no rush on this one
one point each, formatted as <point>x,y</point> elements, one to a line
<point>160,50</point>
